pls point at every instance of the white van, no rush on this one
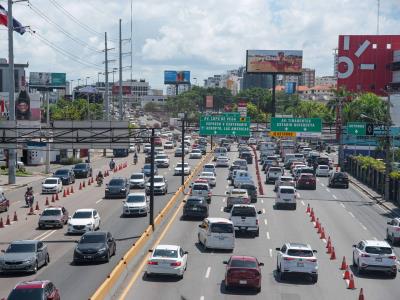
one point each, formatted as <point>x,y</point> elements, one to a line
<point>286,196</point>
<point>220,151</point>
<point>217,233</point>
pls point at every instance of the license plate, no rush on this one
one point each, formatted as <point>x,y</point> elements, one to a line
<point>194,208</point>
<point>378,259</point>
<point>242,228</point>
<point>300,264</point>
<point>87,256</point>
<point>221,238</point>
<point>242,281</point>
<point>307,182</point>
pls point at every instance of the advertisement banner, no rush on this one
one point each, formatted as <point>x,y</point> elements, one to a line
<point>27,105</point>
<point>274,61</point>
<point>209,101</point>
<point>242,107</point>
<point>126,90</point>
<point>47,80</point>
<point>176,77</point>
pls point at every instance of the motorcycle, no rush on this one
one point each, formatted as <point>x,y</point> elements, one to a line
<point>112,166</point>
<point>99,181</point>
<point>29,200</point>
<point>135,160</point>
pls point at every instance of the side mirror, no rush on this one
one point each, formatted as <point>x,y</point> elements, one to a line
<point>2,250</point>
<point>123,201</point>
<point>354,246</point>
<point>314,251</point>
<point>200,226</point>
<point>259,212</point>
<point>184,201</point>
<point>261,264</point>
<point>227,193</point>
<point>278,249</point>
<point>69,218</point>
<point>225,262</point>
<point>389,223</point>
<point>76,242</point>
<point>186,252</point>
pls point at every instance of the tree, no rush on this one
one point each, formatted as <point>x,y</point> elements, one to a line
<point>78,109</point>
<point>367,104</point>
<point>260,97</point>
<point>311,109</point>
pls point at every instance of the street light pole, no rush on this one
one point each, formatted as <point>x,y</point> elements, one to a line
<point>388,163</point>
<point>151,213</point>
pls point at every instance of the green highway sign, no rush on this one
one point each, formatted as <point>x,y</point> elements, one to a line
<point>304,125</point>
<point>225,124</point>
<point>356,128</point>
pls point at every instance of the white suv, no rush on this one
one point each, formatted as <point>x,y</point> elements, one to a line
<point>244,218</point>
<point>83,220</point>
<point>393,231</point>
<point>374,256</point>
<point>297,258</point>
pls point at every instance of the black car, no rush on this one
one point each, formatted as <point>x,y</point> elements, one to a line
<point>251,189</point>
<point>118,187</point>
<point>338,179</point>
<point>195,207</point>
<point>147,158</point>
<point>247,156</point>
<point>67,176</point>
<point>95,246</point>
<point>82,170</point>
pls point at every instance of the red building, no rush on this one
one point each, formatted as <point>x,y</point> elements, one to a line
<point>364,62</point>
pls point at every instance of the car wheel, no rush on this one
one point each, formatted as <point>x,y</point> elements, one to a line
<point>258,290</point>
<point>314,278</point>
<point>359,269</point>
<point>46,262</point>
<point>282,275</point>
<point>347,186</point>
<point>257,232</point>
<point>393,274</point>
<point>35,269</point>
<point>115,249</point>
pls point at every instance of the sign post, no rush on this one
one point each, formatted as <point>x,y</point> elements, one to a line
<point>225,124</point>
<point>356,128</point>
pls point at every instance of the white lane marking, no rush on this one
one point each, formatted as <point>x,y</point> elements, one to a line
<point>47,235</point>
<point>322,184</point>
<point>265,222</point>
<point>223,200</point>
<point>302,202</point>
<point>324,240</point>
<point>328,190</point>
<point>375,238</point>
<point>342,205</point>
<point>268,237</point>
<point>351,214</point>
<point>270,252</point>
<point>262,201</point>
<point>202,298</point>
<point>334,197</point>
<point>317,179</point>
<point>208,272</point>
<point>362,225</point>
<point>222,208</point>
<point>298,195</point>
<point>263,210</point>
<point>98,201</point>
<point>40,235</point>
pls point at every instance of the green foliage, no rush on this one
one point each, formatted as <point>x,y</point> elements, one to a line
<point>367,161</point>
<point>70,161</point>
<point>368,104</point>
<point>311,109</point>
<point>79,109</point>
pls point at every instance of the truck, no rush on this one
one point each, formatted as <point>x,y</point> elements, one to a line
<point>174,122</point>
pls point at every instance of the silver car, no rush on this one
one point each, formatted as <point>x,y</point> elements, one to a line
<point>24,256</point>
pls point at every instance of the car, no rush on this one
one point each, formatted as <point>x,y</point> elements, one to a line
<point>251,141</point>
<point>24,256</point>
<point>147,148</point>
<point>53,216</point>
<point>82,170</point>
<point>167,260</point>
<point>146,170</point>
<point>160,185</point>
<point>244,218</point>
<point>117,187</point>
<point>137,180</point>
<point>168,145</point>
<point>247,156</point>
<point>237,196</point>
<point>222,161</point>
<point>216,233</point>
<point>210,177</point>
<point>203,148</point>
<point>219,151</point>
<point>83,220</point>
<point>178,152</point>
<point>297,258</point>
<point>338,179</point>
<point>178,169</point>
<point>195,154</point>
<point>52,185</point>
<point>322,160</point>
<point>232,170</point>
<point>135,204</point>
<point>251,189</point>
<point>67,176</point>
<point>196,207</point>
<point>4,203</point>
<point>243,271</point>
<point>284,180</point>
<point>322,170</point>
<point>210,168</point>
<point>34,290</point>
<point>95,246</point>
<point>241,176</point>
<point>393,231</point>
<point>286,196</point>
<point>306,181</point>
<point>161,161</point>
<point>372,255</point>
<point>273,174</point>
<point>201,190</point>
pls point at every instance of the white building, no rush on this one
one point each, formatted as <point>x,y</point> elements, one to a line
<point>326,80</point>
<point>132,90</point>
<point>156,99</point>
<point>171,89</point>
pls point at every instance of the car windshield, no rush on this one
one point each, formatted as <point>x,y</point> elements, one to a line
<point>185,165</point>
<point>378,250</point>
<point>51,212</point>
<point>50,181</point>
<point>147,167</point>
<point>116,182</point>
<point>323,167</point>
<point>80,166</point>
<point>165,253</point>
<point>61,172</point>
<point>158,179</point>
<point>207,174</point>
<point>92,238</point>
<point>243,212</point>
<point>221,228</point>
<point>300,252</point>
<point>193,201</point>
<point>340,175</point>
<point>21,248</point>
<point>287,191</point>
<point>137,176</point>
<point>307,176</point>
<point>239,263</point>
<point>161,157</point>
<point>135,198</point>
<point>23,294</point>
<point>274,169</point>
<point>82,215</point>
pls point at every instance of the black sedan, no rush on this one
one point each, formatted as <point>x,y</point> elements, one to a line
<point>95,246</point>
<point>67,176</point>
<point>82,170</point>
<point>195,207</point>
<point>117,188</point>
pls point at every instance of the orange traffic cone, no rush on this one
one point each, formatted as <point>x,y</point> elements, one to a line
<point>15,219</point>
<point>47,201</point>
<point>308,209</point>
<point>80,185</point>
<point>361,295</point>
<point>52,198</point>
<point>329,251</point>
<point>37,205</point>
<point>57,197</point>
<point>333,254</point>
<point>67,191</point>
<point>89,182</point>
<point>322,236</point>
<point>346,274</point>
<point>317,224</point>
<point>8,220</point>
<point>344,264</point>
<point>115,169</point>
<point>84,185</point>
<point>1,223</point>
<point>72,189</point>
<point>91,178</point>
<point>329,243</point>
<point>65,194</point>
<point>352,284</point>
<point>31,212</point>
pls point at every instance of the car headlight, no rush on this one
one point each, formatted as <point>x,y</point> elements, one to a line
<point>89,224</point>
<point>123,190</point>
<point>103,249</point>
<point>107,189</point>
<point>78,250</point>
<point>29,260</point>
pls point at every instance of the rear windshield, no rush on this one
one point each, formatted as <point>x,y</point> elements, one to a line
<point>137,176</point>
<point>51,212</point>
<point>221,228</point>
<point>50,181</point>
<point>61,172</point>
<point>248,187</point>
<point>287,191</point>
<point>194,201</point>
<point>341,175</point>
<point>323,167</point>
<point>274,169</point>
<point>21,294</point>
<point>200,187</point>
<point>236,263</point>
<point>300,252</point>
<point>80,166</point>
<point>243,212</point>
<point>307,176</point>
<point>165,253</point>
<point>220,150</point>
<point>322,160</point>
<point>378,250</point>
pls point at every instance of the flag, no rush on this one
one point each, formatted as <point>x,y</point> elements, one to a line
<point>16,25</point>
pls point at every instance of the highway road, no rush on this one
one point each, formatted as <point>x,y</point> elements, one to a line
<point>347,215</point>
<point>79,282</point>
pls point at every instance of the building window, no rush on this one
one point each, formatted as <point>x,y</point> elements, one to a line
<point>374,46</point>
<point>388,46</point>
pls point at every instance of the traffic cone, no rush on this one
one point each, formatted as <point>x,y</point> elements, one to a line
<point>322,236</point>
<point>8,220</point>
<point>308,209</point>
<point>344,264</point>
<point>31,212</point>
<point>1,223</point>
<point>312,217</point>
<point>312,212</point>
<point>65,194</point>
<point>57,197</point>
<point>329,251</point>
<point>52,198</point>
<point>72,189</point>
<point>91,178</point>
<point>47,201</point>
<point>84,185</point>
<point>115,169</point>
<point>329,243</point>
<point>15,219</point>
<point>333,254</point>
<point>361,295</point>
<point>346,274</point>
<point>352,284</point>
<point>37,205</point>
<point>89,182</point>
<point>80,185</point>
<point>317,224</point>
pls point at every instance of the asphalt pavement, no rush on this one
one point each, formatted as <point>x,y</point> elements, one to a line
<point>347,215</point>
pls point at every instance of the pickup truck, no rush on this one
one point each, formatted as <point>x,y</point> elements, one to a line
<point>241,176</point>
<point>273,174</point>
<point>237,196</point>
<point>244,218</point>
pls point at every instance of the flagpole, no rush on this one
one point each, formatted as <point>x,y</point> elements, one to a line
<point>11,90</point>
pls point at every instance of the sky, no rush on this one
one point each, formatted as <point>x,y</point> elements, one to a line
<point>206,37</point>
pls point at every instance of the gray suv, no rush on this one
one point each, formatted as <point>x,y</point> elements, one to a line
<point>24,256</point>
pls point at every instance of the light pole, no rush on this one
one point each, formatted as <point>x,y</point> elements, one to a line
<point>78,81</point>
<point>87,77</point>
<point>72,86</point>
<point>98,78</point>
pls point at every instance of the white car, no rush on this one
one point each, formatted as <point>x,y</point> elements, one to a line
<point>137,180</point>
<point>371,255</point>
<point>168,145</point>
<point>286,196</point>
<point>237,196</point>
<point>83,220</point>
<point>136,204</point>
<point>222,161</point>
<point>216,233</point>
<point>167,260</point>
<point>160,185</point>
<point>393,231</point>
<point>210,177</point>
<point>297,258</point>
<point>322,170</point>
<point>52,185</point>
<point>244,218</point>
<point>178,169</point>
<point>196,154</point>
<point>209,168</point>
<point>146,148</point>
<point>241,177</point>
<point>284,180</point>
<point>161,161</point>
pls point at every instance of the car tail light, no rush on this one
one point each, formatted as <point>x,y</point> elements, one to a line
<point>364,255</point>
<point>289,258</point>
<point>209,193</point>
<point>257,222</point>
<point>152,263</point>
<point>312,260</point>
<point>176,264</point>
<point>246,200</point>
<point>392,257</point>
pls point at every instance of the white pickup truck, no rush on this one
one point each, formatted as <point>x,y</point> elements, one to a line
<point>244,218</point>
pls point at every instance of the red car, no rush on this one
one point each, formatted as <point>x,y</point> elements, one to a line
<point>4,203</point>
<point>243,271</point>
<point>34,290</point>
<point>306,181</point>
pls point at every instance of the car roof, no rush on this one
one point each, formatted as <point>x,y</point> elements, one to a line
<point>243,205</point>
<point>118,177</point>
<point>243,257</point>
<point>196,198</point>
<point>85,209</point>
<point>25,242</point>
<point>52,178</point>
<point>34,284</point>
<point>299,246</point>
<point>207,174</point>
<point>219,220</point>
<point>374,243</point>
<point>286,187</point>
<point>200,183</point>
<point>137,194</point>
<point>167,247</point>
<point>238,191</point>
<point>53,208</point>
<point>158,176</point>
<point>138,173</point>
<point>209,165</point>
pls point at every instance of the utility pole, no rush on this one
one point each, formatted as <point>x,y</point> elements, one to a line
<point>151,214</point>
<point>183,151</point>
<point>11,83</point>
<point>46,95</point>
<point>388,162</point>
<point>107,104</point>
<point>120,72</point>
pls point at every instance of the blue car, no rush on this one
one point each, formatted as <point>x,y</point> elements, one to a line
<point>147,169</point>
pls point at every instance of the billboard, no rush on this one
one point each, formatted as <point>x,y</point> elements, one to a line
<point>27,105</point>
<point>47,80</point>
<point>209,101</point>
<point>176,77</point>
<point>126,90</point>
<point>274,61</point>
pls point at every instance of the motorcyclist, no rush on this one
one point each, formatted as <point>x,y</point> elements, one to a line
<point>29,198</point>
<point>100,178</point>
<point>112,164</point>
